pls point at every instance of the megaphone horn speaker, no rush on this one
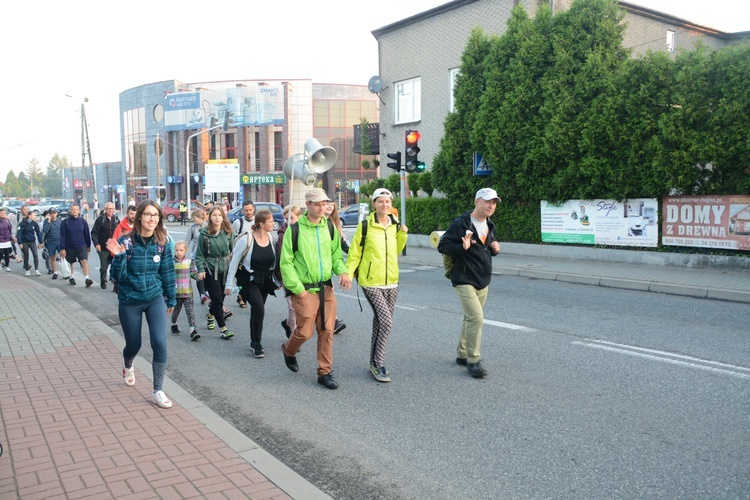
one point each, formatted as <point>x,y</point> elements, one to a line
<point>295,167</point>
<point>321,158</point>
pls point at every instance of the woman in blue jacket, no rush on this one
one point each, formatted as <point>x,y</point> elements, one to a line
<point>29,238</point>
<point>143,267</point>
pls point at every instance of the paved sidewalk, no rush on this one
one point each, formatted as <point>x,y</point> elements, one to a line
<point>71,428</point>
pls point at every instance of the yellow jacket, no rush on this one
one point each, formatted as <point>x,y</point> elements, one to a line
<point>377,263</point>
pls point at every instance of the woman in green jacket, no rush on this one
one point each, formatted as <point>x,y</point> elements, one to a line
<point>375,263</point>
<point>212,255</point>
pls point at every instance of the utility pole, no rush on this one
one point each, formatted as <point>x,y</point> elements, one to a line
<point>86,147</point>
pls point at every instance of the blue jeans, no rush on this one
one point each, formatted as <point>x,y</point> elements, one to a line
<point>131,320</point>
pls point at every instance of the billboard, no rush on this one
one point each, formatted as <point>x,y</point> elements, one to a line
<point>246,106</point>
<point>222,176</point>
<point>601,222</point>
<point>707,221</point>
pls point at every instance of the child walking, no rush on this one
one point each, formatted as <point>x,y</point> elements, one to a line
<point>184,270</point>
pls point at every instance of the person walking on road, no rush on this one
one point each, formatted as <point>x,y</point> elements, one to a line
<point>75,243</point>
<point>244,224</point>
<point>104,230</point>
<point>6,239</point>
<point>215,245</point>
<point>332,213</point>
<point>125,226</point>
<point>291,215</point>
<point>51,232</point>
<point>191,239</point>
<point>374,262</point>
<point>143,265</point>
<point>184,274</point>
<point>310,255</point>
<point>255,252</point>
<point>471,241</point>
<point>29,239</point>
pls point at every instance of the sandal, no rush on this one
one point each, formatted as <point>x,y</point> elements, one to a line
<point>241,302</point>
<point>227,334</point>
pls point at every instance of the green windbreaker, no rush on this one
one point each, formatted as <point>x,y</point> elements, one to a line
<point>317,258</point>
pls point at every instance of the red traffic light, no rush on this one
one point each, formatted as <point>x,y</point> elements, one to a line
<point>412,137</point>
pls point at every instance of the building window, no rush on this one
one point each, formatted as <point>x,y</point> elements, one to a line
<point>409,100</point>
<point>453,74</point>
<point>670,40</point>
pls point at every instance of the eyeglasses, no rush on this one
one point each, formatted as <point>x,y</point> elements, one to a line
<point>151,215</point>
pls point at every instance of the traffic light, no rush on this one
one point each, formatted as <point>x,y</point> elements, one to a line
<point>395,165</point>
<point>411,150</point>
<point>421,166</point>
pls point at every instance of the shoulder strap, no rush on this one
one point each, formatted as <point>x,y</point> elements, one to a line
<point>295,236</point>
<point>242,224</point>
<point>364,234</point>
<point>295,233</point>
<point>247,248</point>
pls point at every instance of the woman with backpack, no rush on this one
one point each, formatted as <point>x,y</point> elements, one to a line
<point>373,259</point>
<point>253,265</point>
<point>215,244</point>
<point>143,266</point>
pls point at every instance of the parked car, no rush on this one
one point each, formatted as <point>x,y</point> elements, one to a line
<point>13,206</point>
<point>349,215</point>
<point>43,207</point>
<point>277,211</point>
<point>63,209</point>
<point>171,209</point>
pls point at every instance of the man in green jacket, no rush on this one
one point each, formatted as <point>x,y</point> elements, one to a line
<point>307,264</point>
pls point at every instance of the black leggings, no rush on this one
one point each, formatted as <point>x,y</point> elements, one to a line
<point>5,254</point>
<point>215,288</point>
<point>256,299</point>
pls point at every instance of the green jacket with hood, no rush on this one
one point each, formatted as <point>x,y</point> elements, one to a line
<point>213,252</point>
<point>377,263</point>
<point>317,259</point>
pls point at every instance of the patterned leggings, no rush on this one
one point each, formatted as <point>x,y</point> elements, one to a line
<point>188,303</point>
<point>383,302</point>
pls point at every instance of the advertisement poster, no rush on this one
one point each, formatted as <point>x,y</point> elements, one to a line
<point>246,106</point>
<point>222,176</point>
<point>601,222</point>
<point>707,221</point>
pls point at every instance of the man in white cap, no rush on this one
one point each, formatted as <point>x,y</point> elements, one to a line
<point>471,241</point>
<point>310,255</point>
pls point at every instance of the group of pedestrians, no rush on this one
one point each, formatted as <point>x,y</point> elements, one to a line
<point>153,274</point>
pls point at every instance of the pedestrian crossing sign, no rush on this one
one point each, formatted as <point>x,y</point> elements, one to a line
<point>481,167</point>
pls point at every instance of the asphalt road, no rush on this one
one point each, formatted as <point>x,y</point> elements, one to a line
<point>592,393</point>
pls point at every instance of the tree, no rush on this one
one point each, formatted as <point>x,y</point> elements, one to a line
<point>413,181</point>
<point>34,173</point>
<point>425,183</point>
<point>52,181</point>
<point>12,187</point>
<point>393,183</point>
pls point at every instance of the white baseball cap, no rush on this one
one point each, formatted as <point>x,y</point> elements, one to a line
<point>487,194</point>
<point>381,192</point>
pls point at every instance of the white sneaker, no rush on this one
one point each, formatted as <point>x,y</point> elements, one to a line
<point>28,273</point>
<point>128,375</point>
<point>38,273</point>
<point>161,399</point>
<point>7,269</point>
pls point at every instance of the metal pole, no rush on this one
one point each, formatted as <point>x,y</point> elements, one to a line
<point>402,176</point>
<point>187,159</point>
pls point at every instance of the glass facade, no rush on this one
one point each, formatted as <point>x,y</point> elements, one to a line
<point>134,139</point>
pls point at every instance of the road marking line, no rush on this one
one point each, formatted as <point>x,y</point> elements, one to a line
<point>509,326</point>
<point>667,357</point>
